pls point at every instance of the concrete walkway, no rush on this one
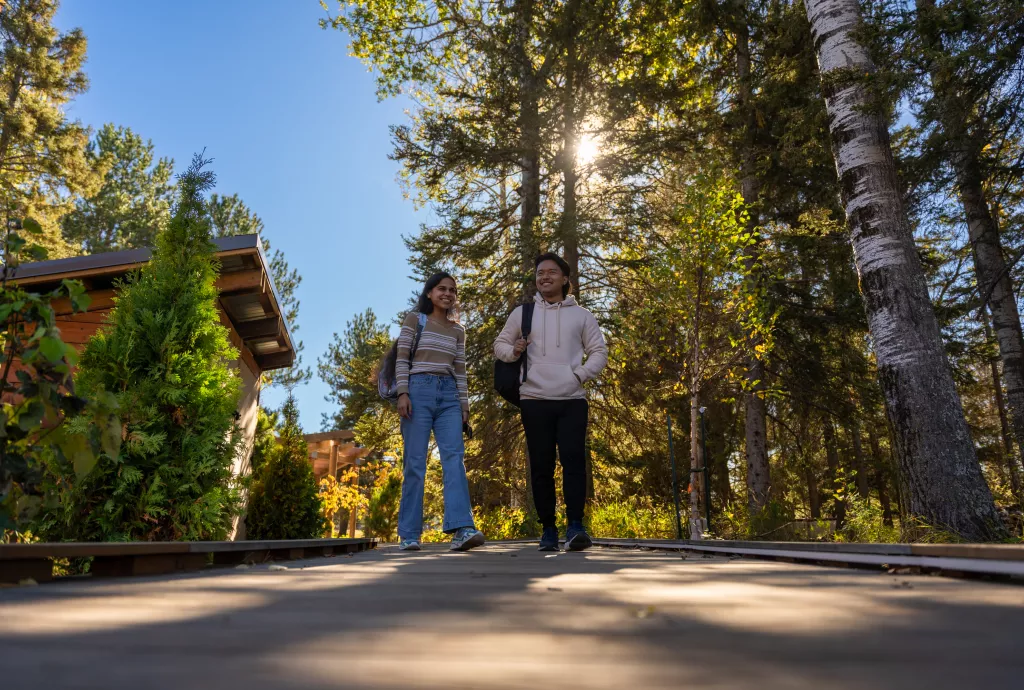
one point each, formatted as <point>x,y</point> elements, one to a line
<point>510,617</point>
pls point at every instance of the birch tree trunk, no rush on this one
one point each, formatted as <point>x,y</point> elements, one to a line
<point>940,478</point>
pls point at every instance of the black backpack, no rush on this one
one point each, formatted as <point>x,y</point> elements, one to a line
<point>508,376</point>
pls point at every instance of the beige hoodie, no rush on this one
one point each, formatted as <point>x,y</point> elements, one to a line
<point>561,334</point>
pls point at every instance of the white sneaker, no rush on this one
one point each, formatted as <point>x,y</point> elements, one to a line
<point>409,545</point>
<point>467,538</point>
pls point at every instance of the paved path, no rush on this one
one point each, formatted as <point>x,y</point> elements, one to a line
<point>510,617</point>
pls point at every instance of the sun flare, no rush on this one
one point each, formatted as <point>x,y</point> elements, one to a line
<point>586,149</point>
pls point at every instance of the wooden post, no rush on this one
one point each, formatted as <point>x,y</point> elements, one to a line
<point>333,467</point>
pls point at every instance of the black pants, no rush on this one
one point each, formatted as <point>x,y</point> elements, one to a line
<point>563,424</point>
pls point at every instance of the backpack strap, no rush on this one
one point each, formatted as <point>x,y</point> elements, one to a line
<point>524,328</point>
<point>420,323</point>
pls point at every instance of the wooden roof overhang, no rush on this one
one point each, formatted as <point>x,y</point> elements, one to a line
<point>249,303</point>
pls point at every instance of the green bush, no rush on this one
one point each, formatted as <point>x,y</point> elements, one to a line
<point>164,355</point>
<point>631,519</point>
<point>864,523</point>
<point>504,522</point>
<point>382,512</point>
<point>284,502</point>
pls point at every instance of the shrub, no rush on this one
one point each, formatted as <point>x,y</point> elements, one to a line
<point>382,511</point>
<point>38,400</point>
<point>631,519</point>
<point>284,502</point>
<point>504,522</point>
<point>164,354</point>
<point>864,523</point>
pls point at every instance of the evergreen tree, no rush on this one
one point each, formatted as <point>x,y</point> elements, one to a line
<point>165,355</point>
<point>284,502</point>
<point>382,511</point>
<point>134,203</point>
<point>43,162</point>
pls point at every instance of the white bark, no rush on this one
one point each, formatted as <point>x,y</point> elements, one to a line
<point>940,476</point>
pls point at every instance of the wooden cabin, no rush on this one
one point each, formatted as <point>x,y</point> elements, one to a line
<point>331,452</point>
<point>249,308</point>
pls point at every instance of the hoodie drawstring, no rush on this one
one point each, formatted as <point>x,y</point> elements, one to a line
<point>544,307</point>
<point>544,335</point>
<point>558,325</point>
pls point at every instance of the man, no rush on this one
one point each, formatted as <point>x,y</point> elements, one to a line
<point>564,350</point>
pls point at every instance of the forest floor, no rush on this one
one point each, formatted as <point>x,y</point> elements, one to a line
<point>507,616</point>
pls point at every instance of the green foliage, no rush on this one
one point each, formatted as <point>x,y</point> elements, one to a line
<point>864,523</point>
<point>382,511</point>
<point>503,522</point>
<point>263,441</point>
<point>348,368</point>
<point>43,163</point>
<point>132,205</point>
<point>632,519</point>
<point>164,354</point>
<point>284,502</point>
<point>39,404</point>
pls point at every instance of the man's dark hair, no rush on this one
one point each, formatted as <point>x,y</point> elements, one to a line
<point>562,264</point>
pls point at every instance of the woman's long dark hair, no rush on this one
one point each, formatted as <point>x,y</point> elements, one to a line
<point>426,306</point>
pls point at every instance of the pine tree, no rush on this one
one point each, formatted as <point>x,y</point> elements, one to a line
<point>165,355</point>
<point>284,502</point>
<point>134,203</point>
<point>42,155</point>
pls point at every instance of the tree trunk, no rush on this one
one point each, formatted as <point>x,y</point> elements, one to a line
<point>696,462</point>
<point>881,478</point>
<point>569,229</point>
<point>939,472</point>
<point>991,272</point>
<point>813,497</point>
<point>836,487</point>
<point>756,447</point>
<point>858,458</point>
<point>1004,427</point>
<point>529,155</point>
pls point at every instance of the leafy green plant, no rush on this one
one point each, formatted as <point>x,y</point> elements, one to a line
<point>864,523</point>
<point>284,502</point>
<point>631,519</point>
<point>382,511</point>
<point>164,354</point>
<point>38,395</point>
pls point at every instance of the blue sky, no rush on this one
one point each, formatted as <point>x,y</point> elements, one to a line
<point>293,126</point>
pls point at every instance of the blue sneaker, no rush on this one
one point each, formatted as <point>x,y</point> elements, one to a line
<point>576,537</point>
<point>409,545</point>
<point>467,538</point>
<point>549,540</point>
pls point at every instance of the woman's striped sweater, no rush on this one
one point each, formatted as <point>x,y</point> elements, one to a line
<point>442,351</point>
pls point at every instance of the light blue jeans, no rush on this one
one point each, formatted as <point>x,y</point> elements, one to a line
<point>435,407</point>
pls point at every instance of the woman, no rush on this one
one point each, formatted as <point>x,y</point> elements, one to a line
<point>433,396</point>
